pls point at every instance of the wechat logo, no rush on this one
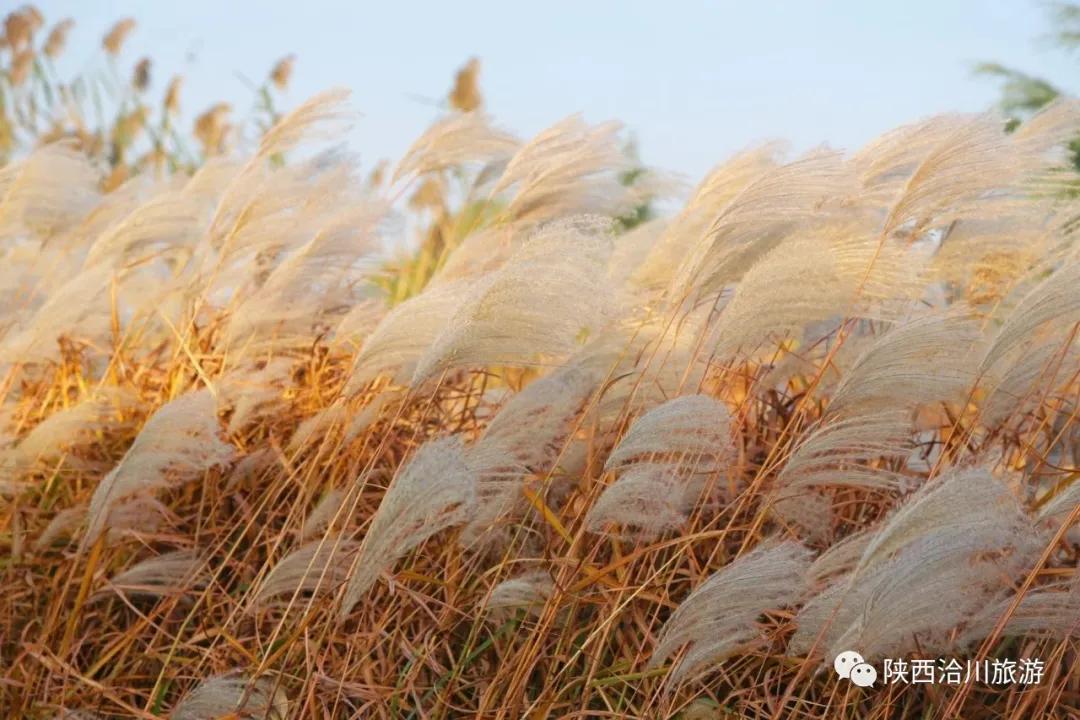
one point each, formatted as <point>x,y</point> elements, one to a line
<point>851,666</point>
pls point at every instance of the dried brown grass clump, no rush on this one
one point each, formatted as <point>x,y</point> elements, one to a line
<point>831,403</point>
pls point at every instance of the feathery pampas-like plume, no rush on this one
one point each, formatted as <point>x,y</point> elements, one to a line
<point>435,490</point>
<point>525,438</point>
<point>233,696</point>
<point>531,306</point>
<point>759,216</point>
<point>721,615</point>
<point>454,141</point>
<point>837,269</point>
<point>1051,610</point>
<point>528,592</point>
<point>711,196</point>
<point>322,116</point>
<point>954,545</point>
<point>77,425</point>
<point>178,442</point>
<point>664,463</point>
<point>841,452</point>
<point>405,333</point>
<point>568,169</point>
<point>926,359</point>
<point>79,309</point>
<point>53,188</point>
<point>170,574</point>
<point>320,567</point>
<point>310,285</point>
<point>1054,300</point>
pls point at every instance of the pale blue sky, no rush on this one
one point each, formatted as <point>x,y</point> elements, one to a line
<point>693,81</point>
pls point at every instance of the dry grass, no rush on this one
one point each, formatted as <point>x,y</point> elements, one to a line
<point>257,464</point>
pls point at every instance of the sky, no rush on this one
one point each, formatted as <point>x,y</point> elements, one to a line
<point>693,81</point>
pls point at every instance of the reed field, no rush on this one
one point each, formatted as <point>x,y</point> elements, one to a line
<point>515,427</point>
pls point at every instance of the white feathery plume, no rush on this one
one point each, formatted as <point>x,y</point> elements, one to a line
<point>1054,300</point>
<point>76,425</point>
<point>50,190</point>
<point>360,322</point>
<point>530,307</point>
<point>310,285</point>
<point>837,451</point>
<point>967,161</point>
<point>974,159</point>
<point>1042,140</point>
<point>648,499</point>
<point>809,509</point>
<point>759,216</point>
<point>168,221</point>
<point>958,541</point>
<point>568,169</point>
<point>173,573</point>
<point>434,491</point>
<point>940,580</point>
<point>405,333</point>
<point>926,359</point>
<point>838,269</point>
<point>918,597</point>
<point>1063,502</point>
<point>233,696</point>
<point>721,615</point>
<point>317,426</point>
<point>321,117</point>
<point>267,215</point>
<point>714,192</point>
<point>693,430</point>
<point>253,465</point>
<point>529,591</point>
<point>322,515</point>
<point>664,463</point>
<point>796,283</point>
<point>62,525</point>
<point>110,209</point>
<point>1014,381</point>
<point>319,567</point>
<point>254,392</point>
<point>138,516</point>
<point>840,557</point>
<point>826,615</point>
<point>481,252</point>
<point>524,439</point>
<point>988,256</point>
<point>456,140</point>
<point>633,249</point>
<point>372,412</point>
<point>964,498</point>
<point>179,442</point>
<point>28,274</point>
<point>888,160</point>
<point>80,309</point>
<point>212,178</point>
<point>1051,610</point>
<point>527,434</point>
